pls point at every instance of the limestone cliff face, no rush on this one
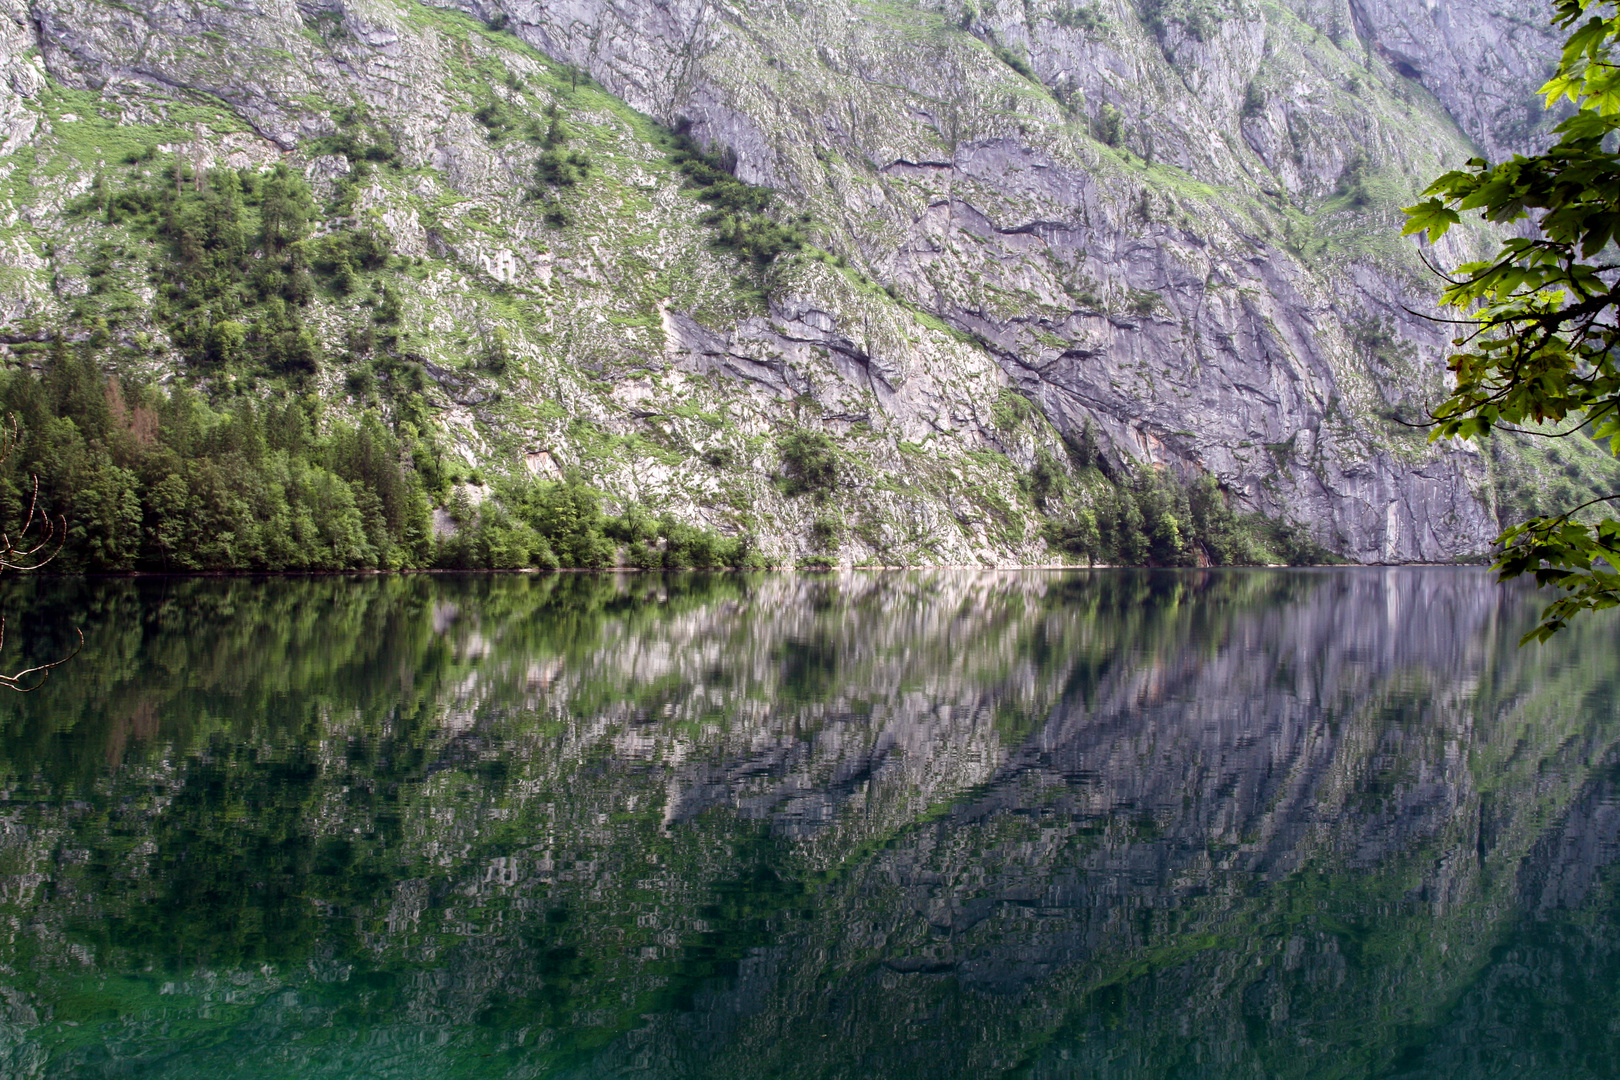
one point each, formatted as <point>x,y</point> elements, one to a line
<point>965,183</point>
<point>1169,225</point>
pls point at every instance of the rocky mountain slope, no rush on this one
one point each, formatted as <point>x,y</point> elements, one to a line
<point>1172,227</point>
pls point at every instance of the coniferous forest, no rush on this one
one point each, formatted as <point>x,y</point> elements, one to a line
<point>258,474</point>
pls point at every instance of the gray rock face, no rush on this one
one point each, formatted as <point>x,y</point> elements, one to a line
<point>1483,61</point>
<point>1174,232</point>
<point>992,215</point>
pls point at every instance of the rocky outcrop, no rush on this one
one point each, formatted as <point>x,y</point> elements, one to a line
<point>1483,62</point>
<point>1172,227</point>
<point>1246,366</point>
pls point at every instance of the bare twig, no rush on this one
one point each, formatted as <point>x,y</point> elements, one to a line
<point>23,554</point>
<point>14,554</point>
<point>15,682</point>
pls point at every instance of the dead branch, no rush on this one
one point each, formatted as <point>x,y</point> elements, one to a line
<point>24,553</point>
<point>16,554</point>
<point>15,682</point>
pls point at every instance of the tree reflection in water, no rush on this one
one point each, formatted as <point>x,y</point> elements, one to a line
<point>1122,824</point>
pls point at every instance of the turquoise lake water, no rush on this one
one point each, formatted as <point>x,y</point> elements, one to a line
<point>1112,824</point>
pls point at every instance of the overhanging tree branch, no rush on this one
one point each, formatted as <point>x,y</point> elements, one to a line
<point>1545,321</point>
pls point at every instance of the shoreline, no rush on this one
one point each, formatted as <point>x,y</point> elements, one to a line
<point>881,568</point>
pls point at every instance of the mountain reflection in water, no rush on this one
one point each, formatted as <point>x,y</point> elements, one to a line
<point>930,823</point>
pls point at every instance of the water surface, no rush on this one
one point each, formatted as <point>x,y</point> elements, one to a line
<point>925,824</point>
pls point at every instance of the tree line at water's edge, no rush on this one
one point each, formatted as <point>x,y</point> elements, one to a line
<point>163,481</point>
<point>159,479</point>
<point>251,470</point>
<point>148,478</point>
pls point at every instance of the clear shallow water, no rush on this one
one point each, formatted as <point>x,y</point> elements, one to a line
<point>934,824</point>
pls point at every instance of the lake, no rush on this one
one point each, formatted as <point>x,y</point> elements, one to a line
<point>1078,824</point>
